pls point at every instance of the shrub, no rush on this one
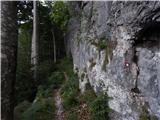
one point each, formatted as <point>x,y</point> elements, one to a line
<point>72,117</point>
<point>44,93</point>
<point>69,92</point>
<point>89,95</point>
<point>65,65</point>
<point>20,108</point>
<point>44,70</point>
<point>97,103</point>
<point>56,79</point>
<point>99,107</point>
<point>42,109</point>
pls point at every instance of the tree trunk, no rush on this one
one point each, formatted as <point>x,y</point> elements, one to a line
<point>54,45</point>
<point>9,36</point>
<point>34,45</point>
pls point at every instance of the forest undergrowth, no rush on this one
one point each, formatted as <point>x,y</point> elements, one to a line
<point>74,105</point>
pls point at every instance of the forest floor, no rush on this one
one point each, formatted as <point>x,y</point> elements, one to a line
<point>78,112</point>
<point>61,99</point>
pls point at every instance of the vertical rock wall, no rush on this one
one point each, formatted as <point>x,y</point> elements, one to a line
<point>116,48</point>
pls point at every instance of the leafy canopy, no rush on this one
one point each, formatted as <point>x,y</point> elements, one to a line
<point>60,14</point>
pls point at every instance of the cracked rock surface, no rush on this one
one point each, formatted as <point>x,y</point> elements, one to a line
<point>128,67</point>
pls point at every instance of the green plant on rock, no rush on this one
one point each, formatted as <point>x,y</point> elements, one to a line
<point>102,43</point>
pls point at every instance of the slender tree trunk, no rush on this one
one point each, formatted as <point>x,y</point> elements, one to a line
<point>34,44</point>
<point>9,36</point>
<point>54,45</point>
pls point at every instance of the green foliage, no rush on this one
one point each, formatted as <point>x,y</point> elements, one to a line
<point>24,86</point>
<point>99,107</point>
<point>102,43</point>
<point>97,103</point>
<point>89,95</point>
<point>42,109</point>
<point>71,97</point>
<point>45,41</point>
<point>69,92</point>
<point>44,70</point>
<point>44,92</point>
<point>18,111</point>
<point>65,65</point>
<point>56,79</point>
<point>60,14</point>
<point>72,117</point>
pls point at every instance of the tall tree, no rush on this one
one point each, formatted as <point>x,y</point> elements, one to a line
<point>8,57</point>
<point>34,45</point>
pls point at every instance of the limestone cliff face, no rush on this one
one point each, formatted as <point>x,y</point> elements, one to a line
<point>116,48</point>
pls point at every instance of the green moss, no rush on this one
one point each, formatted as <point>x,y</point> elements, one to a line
<point>103,43</point>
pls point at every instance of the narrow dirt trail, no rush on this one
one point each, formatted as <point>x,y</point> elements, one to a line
<point>58,102</point>
<point>58,105</point>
